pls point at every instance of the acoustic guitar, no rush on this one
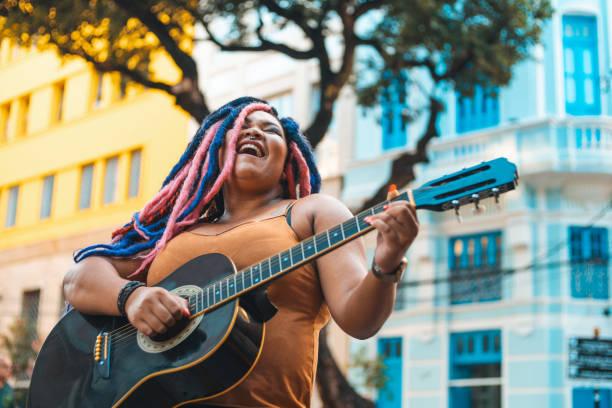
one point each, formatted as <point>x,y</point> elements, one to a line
<point>103,361</point>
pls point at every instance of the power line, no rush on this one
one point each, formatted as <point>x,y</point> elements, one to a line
<point>502,272</point>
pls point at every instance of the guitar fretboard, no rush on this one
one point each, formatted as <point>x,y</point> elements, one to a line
<point>230,287</point>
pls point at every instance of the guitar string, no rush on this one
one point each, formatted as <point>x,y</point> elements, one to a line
<point>125,332</point>
<point>274,262</point>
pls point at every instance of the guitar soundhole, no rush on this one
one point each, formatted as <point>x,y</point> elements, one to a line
<point>175,334</point>
<point>172,331</point>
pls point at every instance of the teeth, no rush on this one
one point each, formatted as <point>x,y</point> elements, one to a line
<point>246,147</point>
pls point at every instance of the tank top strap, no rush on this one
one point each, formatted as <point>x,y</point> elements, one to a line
<point>288,212</point>
<point>289,207</point>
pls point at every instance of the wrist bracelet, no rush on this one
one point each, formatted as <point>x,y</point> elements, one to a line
<point>393,276</point>
<point>125,293</point>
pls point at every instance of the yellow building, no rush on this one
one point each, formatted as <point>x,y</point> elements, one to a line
<point>80,152</point>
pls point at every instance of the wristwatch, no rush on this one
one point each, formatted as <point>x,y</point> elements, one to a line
<point>393,276</point>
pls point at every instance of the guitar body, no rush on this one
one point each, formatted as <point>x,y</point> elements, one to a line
<point>214,357</point>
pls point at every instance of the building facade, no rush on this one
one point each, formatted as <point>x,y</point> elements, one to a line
<point>80,152</point>
<point>492,309</point>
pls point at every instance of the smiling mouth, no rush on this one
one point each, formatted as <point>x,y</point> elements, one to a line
<point>250,149</point>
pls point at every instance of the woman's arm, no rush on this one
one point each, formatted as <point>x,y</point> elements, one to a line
<point>93,285</point>
<point>359,302</point>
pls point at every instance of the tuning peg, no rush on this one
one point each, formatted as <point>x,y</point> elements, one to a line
<point>478,209</point>
<point>455,204</point>
<point>496,194</point>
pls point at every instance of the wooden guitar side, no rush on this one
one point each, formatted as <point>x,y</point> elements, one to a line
<point>214,358</point>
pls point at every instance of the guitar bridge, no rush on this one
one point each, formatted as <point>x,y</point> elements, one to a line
<point>102,354</point>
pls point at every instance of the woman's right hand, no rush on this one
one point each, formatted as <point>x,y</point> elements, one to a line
<point>152,310</point>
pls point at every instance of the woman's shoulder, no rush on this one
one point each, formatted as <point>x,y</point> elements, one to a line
<point>319,211</point>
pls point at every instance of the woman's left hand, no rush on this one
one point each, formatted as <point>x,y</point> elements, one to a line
<point>397,227</point>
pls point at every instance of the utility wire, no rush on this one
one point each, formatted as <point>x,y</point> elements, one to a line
<point>503,272</point>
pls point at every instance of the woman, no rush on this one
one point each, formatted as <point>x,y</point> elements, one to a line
<point>235,191</point>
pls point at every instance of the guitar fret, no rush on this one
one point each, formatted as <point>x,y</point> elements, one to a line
<point>208,295</point>
<point>328,241</point>
<point>216,293</point>
<point>265,269</point>
<point>296,254</point>
<point>285,260</point>
<point>309,251</point>
<point>239,279</point>
<point>255,270</point>
<point>342,230</point>
<point>319,241</point>
<point>280,266</point>
<point>231,290</point>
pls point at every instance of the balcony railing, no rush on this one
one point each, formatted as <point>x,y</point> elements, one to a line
<point>570,144</point>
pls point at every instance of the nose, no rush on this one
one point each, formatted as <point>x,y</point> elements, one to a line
<point>252,133</point>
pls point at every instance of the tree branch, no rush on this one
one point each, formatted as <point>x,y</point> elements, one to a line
<point>293,15</point>
<point>402,168</point>
<point>183,60</point>
<point>334,389</point>
<point>367,6</point>
<point>265,46</point>
<point>106,66</point>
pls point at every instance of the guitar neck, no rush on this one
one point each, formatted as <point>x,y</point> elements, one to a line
<point>254,276</point>
<point>448,192</point>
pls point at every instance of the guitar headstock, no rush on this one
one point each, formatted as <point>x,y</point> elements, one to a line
<point>467,186</point>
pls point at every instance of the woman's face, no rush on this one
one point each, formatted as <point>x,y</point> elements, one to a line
<point>261,150</point>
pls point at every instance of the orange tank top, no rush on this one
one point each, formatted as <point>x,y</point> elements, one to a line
<point>284,375</point>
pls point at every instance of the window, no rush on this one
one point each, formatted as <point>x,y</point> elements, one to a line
<point>29,311</point>
<point>24,111</point>
<point>11,210</point>
<point>475,369</point>
<point>86,185</point>
<point>59,101</point>
<point>283,104</point>
<point>589,257</point>
<point>474,264</point>
<point>390,349</point>
<point>123,84</point>
<point>110,180</point>
<point>4,122</point>
<point>581,63</point>
<point>585,397</point>
<point>47,197</point>
<point>99,85</point>
<point>478,112</point>
<point>134,173</point>
<point>393,104</point>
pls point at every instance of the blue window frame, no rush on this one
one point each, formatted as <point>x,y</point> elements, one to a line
<point>581,63</point>
<point>393,122</point>
<point>585,397</point>
<point>478,112</point>
<point>390,395</point>
<point>589,256</point>
<point>474,264</point>
<point>475,355</point>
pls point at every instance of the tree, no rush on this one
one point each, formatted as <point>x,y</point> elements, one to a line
<point>432,44</point>
<point>21,342</point>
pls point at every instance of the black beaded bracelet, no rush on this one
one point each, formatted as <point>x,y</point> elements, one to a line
<point>125,293</point>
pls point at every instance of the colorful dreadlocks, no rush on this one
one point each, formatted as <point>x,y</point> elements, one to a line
<point>191,190</point>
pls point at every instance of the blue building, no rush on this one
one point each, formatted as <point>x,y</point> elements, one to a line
<point>504,295</point>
